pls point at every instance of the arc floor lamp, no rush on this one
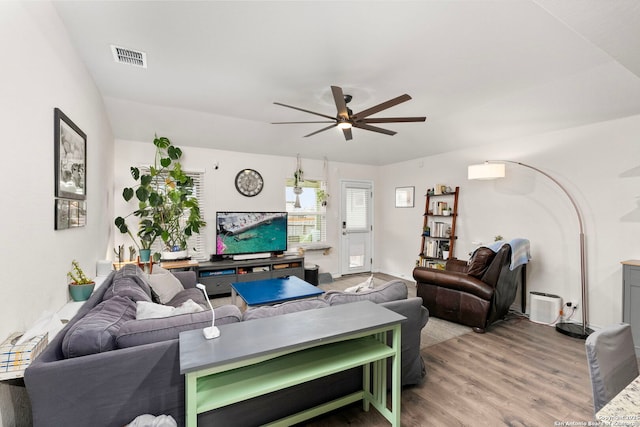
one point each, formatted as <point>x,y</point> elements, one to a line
<point>493,169</point>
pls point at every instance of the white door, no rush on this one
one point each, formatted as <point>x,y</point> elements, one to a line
<point>357,227</point>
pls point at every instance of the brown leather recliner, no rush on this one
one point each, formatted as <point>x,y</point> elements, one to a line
<point>476,293</point>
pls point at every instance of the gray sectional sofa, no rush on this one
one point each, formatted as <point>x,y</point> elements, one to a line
<point>106,367</point>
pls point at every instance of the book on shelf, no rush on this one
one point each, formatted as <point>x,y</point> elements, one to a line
<point>437,208</point>
<point>435,248</point>
<point>429,263</point>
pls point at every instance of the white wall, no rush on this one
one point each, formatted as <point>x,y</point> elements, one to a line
<point>41,71</point>
<point>598,164</point>
<point>221,194</point>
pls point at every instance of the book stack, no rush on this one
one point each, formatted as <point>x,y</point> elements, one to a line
<point>439,229</point>
<point>432,249</point>
<point>437,208</point>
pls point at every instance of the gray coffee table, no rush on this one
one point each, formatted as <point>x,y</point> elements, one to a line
<point>273,291</point>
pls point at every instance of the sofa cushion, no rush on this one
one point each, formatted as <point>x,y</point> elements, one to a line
<point>284,308</point>
<point>390,291</point>
<point>165,284</point>
<point>129,281</point>
<point>96,331</point>
<point>480,261</point>
<point>194,294</point>
<point>139,332</point>
<point>127,287</point>
<point>413,368</point>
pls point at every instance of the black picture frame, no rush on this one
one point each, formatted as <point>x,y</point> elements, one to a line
<point>70,213</point>
<point>70,147</point>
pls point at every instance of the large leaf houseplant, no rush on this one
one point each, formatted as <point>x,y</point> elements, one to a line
<point>167,208</point>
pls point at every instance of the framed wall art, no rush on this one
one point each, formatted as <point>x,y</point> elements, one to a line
<point>404,197</point>
<point>70,158</point>
<point>70,213</point>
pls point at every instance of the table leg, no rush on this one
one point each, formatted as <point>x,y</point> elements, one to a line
<point>396,377</point>
<point>523,296</point>
<point>234,294</point>
<point>190,401</point>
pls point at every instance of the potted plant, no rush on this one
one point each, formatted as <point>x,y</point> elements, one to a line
<point>445,250</point>
<point>80,286</point>
<point>167,208</point>
<point>322,197</point>
<point>298,177</point>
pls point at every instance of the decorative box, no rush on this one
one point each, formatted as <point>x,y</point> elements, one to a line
<point>15,358</point>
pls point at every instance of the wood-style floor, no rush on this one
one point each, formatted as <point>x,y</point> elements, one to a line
<point>519,373</point>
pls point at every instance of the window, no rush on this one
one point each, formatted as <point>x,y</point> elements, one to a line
<point>307,223</point>
<point>195,243</point>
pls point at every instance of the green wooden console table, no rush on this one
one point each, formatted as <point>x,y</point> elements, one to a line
<point>282,351</point>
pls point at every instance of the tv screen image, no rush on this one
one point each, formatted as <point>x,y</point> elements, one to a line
<point>250,232</point>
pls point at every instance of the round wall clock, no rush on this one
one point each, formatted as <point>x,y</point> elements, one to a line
<point>249,182</point>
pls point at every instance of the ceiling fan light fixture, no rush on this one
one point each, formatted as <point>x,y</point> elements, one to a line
<point>345,119</point>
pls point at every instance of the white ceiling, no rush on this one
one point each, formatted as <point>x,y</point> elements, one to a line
<point>481,71</point>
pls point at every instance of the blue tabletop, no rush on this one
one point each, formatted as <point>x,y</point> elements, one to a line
<point>271,291</point>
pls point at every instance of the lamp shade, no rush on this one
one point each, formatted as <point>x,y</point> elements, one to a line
<point>486,171</point>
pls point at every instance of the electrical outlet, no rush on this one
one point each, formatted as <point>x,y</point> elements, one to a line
<point>571,305</point>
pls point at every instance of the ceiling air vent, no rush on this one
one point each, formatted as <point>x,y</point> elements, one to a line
<point>123,55</point>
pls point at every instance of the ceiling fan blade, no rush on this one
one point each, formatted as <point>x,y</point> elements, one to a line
<point>294,123</point>
<point>306,111</point>
<point>322,130</point>
<point>341,106</point>
<point>347,134</point>
<point>373,128</point>
<point>393,120</point>
<point>388,104</point>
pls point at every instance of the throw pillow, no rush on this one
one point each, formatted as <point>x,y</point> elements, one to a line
<point>480,261</point>
<point>367,285</point>
<point>390,291</point>
<point>149,310</point>
<point>165,284</point>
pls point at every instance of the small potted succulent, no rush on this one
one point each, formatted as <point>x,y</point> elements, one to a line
<point>80,286</point>
<point>445,250</point>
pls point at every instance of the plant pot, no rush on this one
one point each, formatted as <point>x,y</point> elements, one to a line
<point>174,255</point>
<point>81,292</point>
<point>145,255</point>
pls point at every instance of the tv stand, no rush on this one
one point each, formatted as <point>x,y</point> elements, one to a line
<point>218,276</point>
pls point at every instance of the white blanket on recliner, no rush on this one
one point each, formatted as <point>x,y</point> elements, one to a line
<point>520,251</point>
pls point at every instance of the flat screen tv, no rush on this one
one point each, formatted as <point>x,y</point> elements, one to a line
<point>250,234</point>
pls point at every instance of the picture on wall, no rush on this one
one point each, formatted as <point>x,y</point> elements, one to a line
<point>70,158</point>
<point>70,214</point>
<point>404,197</point>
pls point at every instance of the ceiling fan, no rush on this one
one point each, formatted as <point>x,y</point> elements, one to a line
<point>345,119</point>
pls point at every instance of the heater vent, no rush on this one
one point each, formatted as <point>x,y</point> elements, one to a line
<point>123,55</point>
<point>545,308</point>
